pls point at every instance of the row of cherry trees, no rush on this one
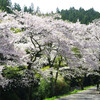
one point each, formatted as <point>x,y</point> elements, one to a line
<point>70,50</point>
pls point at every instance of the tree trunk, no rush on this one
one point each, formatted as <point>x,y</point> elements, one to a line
<point>97,83</point>
<point>82,88</point>
<point>30,93</point>
<point>81,84</point>
<point>55,81</point>
<point>70,88</point>
<point>57,73</point>
<point>91,79</point>
<point>97,86</point>
<point>56,78</point>
<point>30,87</point>
<point>0,90</point>
<point>29,65</point>
<point>51,80</point>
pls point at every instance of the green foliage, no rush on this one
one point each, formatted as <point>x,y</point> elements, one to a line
<point>44,89</point>
<point>17,7</point>
<point>62,86</point>
<point>58,18</point>
<point>25,9</point>
<point>37,75</point>
<point>75,91</point>
<point>76,52</point>
<point>37,10</point>
<point>4,5</point>
<point>57,10</point>
<point>30,9</point>
<point>15,90</point>
<point>2,57</point>
<point>12,72</point>
<point>68,93</point>
<point>61,61</point>
<point>16,30</point>
<point>53,98</point>
<point>85,17</point>
<point>44,68</point>
<point>11,96</point>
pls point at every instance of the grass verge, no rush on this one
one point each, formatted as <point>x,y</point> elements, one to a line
<point>69,93</point>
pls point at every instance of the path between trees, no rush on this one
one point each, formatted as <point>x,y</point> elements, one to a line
<point>89,94</point>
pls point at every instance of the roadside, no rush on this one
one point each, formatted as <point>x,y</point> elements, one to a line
<point>89,94</point>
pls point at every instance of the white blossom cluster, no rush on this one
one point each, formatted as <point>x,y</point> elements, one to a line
<point>77,42</point>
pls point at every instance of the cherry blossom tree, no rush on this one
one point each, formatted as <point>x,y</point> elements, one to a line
<point>71,49</point>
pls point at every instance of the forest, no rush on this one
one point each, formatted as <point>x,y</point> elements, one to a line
<point>47,55</point>
<point>84,16</point>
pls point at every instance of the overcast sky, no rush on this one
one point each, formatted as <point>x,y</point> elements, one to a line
<point>51,5</point>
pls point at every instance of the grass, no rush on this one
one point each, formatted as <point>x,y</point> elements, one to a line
<point>69,93</point>
<point>16,30</point>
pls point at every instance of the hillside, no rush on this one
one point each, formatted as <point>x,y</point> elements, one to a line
<point>84,16</point>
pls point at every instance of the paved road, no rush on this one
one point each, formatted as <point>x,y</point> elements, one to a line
<point>90,94</point>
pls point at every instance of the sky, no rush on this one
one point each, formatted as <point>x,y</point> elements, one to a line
<point>51,5</point>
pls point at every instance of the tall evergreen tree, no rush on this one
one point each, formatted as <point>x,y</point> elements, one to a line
<point>38,10</point>
<point>85,17</point>
<point>57,10</point>
<point>17,7</point>
<point>4,5</point>
<point>25,9</point>
<point>31,8</point>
